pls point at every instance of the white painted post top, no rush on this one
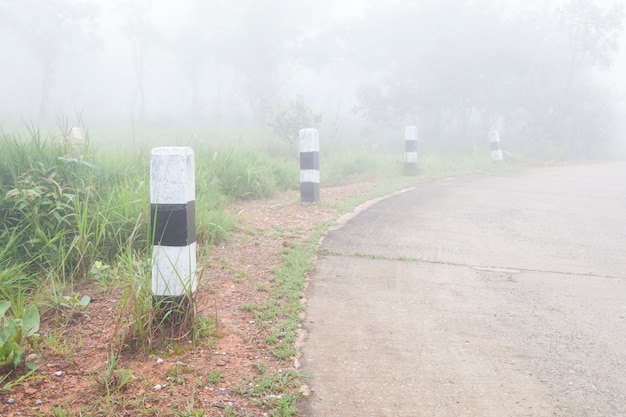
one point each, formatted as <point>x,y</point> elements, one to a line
<point>410,133</point>
<point>309,140</point>
<point>172,175</point>
<point>494,136</point>
<point>76,134</point>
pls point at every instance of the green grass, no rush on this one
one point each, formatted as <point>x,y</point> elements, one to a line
<point>59,216</point>
<point>214,377</point>
<point>276,391</point>
<point>347,167</point>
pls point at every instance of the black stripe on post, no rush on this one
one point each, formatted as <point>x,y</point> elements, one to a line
<point>173,224</point>
<point>410,150</point>
<point>310,192</point>
<point>310,160</point>
<point>494,146</point>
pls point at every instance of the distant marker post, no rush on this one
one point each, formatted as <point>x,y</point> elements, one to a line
<point>309,165</point>
<point>410,148</point>
<point>172,220</point>
<point>494,143</point>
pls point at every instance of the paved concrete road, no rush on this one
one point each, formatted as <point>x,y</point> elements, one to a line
<point>500,295</point>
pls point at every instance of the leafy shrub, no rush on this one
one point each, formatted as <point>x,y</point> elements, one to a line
<point>16,335</point>
<point>244,175</point>
<point>286,121</point>
<point>40,213</point>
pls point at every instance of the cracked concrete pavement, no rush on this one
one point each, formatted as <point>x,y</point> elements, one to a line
<point>493,295</point>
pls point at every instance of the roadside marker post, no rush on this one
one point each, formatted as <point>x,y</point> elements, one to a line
<point>309,166</point>
<point>494,143</point>
<point>410,147</point>
<point>172,220</point>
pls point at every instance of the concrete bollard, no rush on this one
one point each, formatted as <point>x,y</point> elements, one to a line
<point>410,147</point>
<point>77,135</point>
<point>494,143</point>
<point>172,219</point>
<point>309,165</point>
<point>73,146</point>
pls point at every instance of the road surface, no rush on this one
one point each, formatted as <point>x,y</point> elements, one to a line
<point>496,295</point>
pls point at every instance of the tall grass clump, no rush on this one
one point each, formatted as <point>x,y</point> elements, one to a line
<point>65,204</point>
<point>64,207</point>
<point>250,175</point>
<point>226,174</point>
<point>433,166</point>
<point>345,167</point>
<point>39,203</point>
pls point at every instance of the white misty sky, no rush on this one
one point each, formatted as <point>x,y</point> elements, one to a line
<point>112,79</point>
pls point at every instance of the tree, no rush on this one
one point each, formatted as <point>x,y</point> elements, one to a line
<point>593,33</point>
<point>286,121</point>
<point>200,48</point>
<point>584,115</point>
<point>264,45</point>
<point>50,29</point>
<point>143,35</point>
<point>191,46</point>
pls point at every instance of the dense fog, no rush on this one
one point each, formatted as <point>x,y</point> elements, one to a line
<point>539,71</point>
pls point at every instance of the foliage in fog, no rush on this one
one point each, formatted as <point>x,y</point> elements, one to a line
<point>286,121</point>
<point>48,31</point>
<point>460,71</point>
<point>456,68</point>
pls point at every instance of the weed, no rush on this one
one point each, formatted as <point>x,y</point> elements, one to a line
<point>75,304</point>
<point>203,329</point>
<point>17,334</point>
<point>113,380</point>
<point>229,412</point>
<point>277,391</point>
<point>214,377</point>
<point>18,381</point>
<point>192,413</point>
<point>280,382</point>
<point>59,412</point>
<point>260,367</point>
<point>175,375</point>
<point>15,282</point>
<point>100,271</point>
<point>284,350</point>
<point>248,307</point>
<point>55,340</point>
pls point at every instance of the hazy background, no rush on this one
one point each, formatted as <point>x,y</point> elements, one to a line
<point>547,74</point>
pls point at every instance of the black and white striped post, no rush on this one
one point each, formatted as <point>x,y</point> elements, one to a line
<point>172,218</point>
<point>494,143</point>
<point>309,165</point>
<point>410,148</point>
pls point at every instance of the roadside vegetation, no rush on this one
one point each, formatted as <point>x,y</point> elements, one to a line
<point>75,216</point>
